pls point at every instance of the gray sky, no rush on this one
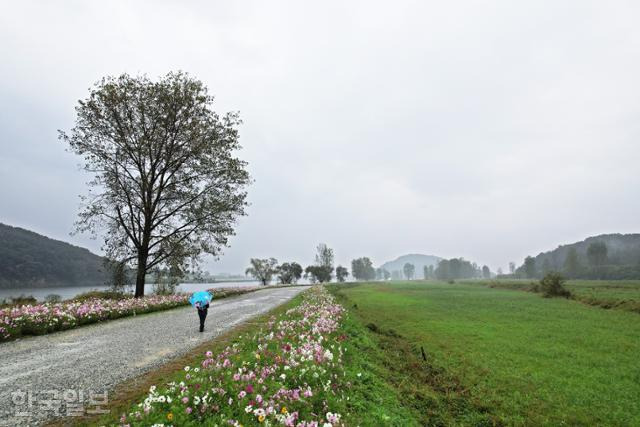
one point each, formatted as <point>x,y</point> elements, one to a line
<point>483,129</point>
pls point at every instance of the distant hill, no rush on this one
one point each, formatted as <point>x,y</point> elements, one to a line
<point>30,260</point>
<point>622,259</point>
<point>418,260</point>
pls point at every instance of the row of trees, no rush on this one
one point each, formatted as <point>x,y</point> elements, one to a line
<point>362,269</point>
<point>459,268</point>
<point>451,269</point>
<point>455,268</point>
<point>321,271</point>
<point>264,270</point>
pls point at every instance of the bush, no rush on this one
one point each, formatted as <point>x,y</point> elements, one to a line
<point>113,295</point>
<point>18,301</point>
<point>552,286</point>
<point>164,288</point>
<point>53,298</point>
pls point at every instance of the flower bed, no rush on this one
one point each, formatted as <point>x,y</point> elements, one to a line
<point>290,373</point>
<point>45,318</point>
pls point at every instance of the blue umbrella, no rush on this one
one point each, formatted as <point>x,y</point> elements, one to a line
<point>203,297</point>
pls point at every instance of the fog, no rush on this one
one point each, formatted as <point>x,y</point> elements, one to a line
<point>487,130</point>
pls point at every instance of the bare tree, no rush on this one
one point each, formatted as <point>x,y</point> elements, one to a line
<point>167,187</point>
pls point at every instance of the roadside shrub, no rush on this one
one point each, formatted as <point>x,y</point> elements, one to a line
<point>552,286</point>
<point>165,283</point>
<point>17,301</point>
<point>53,298</point>
<point>164,288</point>
<point>110,294</point>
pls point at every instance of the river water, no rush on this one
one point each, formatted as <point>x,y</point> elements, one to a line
<point>71,291</point>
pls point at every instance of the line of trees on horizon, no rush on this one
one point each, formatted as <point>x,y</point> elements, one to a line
<point>595,262</point>
<point>287,273</point>
<point>362,269</point>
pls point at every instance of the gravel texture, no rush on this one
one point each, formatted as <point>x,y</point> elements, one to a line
<point>99,356</point>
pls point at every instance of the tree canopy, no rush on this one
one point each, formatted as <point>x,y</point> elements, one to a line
<point>455,268</point>
<point>597,253</point>
<point>341,273</point>
<point>323,268</point>
<point>263,269</point>
<point>166,186</point>
<point>362,269</point>
<point>409,270</point>
<point>486,272</point>
<point>289,273</point>
<point>530,267</point>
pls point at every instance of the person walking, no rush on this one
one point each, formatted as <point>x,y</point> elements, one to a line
<point>200,300</point>
<point>203,309</point>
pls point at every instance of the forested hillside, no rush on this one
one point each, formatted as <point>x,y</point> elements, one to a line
<point>28,259</point>
<point>608,256</point>
<point>419,261</point>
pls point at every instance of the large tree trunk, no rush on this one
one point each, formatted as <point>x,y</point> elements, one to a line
<point>142,271</point>
<point>143,258</point>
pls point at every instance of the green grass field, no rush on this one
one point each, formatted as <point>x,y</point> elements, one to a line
<point>505,357</point>
<point>618,294</point>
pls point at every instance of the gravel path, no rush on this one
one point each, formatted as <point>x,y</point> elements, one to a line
<point>97,357</point>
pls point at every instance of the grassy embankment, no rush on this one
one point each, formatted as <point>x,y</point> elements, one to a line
<point>504,357</point>
<point>618,294</point>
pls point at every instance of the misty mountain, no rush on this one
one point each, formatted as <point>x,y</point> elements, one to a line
<point>28,260</point>
<point>622,257</point>
<point>418,260</point>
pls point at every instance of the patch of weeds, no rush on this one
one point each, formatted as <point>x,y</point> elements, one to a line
<point>552,286</point>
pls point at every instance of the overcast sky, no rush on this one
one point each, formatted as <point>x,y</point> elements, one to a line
<point>484,129</point>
